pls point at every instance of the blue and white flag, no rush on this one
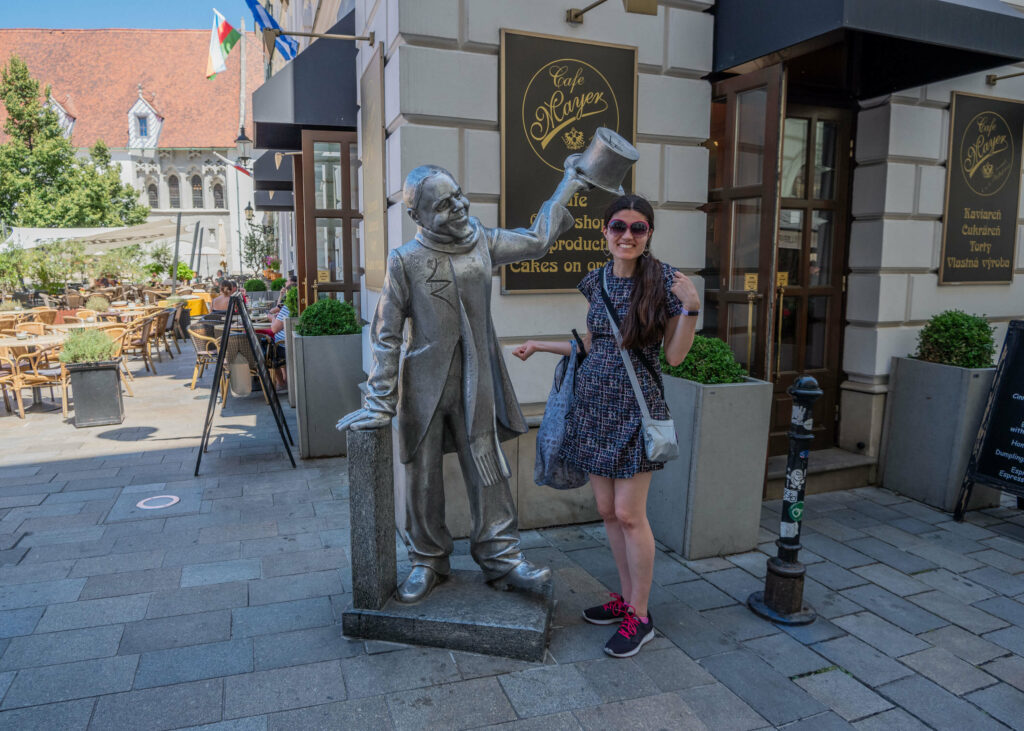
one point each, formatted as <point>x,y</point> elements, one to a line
<point>285,45</point>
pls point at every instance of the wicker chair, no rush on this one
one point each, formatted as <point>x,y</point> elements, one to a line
<point>16,374</point>
<point>206,353</point>
<point>45,315</point>
<point>160,326</point>
<point>72,320</point>
<point>36,328</point>
<point>84,313</point>
<point>45,366</point>
<point>74,300</point>
<point>138,340</point>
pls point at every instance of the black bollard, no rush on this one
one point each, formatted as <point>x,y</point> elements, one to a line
<point>782,600</point>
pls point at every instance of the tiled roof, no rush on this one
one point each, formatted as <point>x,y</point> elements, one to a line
<point>102,69</point>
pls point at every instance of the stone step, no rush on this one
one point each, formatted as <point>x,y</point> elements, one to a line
<point>827,470</point>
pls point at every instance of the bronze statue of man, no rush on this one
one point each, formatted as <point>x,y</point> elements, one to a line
<point>452,392</point>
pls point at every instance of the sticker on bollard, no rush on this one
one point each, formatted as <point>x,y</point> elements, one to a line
<point>782,600</point>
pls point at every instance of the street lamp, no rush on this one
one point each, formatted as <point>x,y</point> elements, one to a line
<point>243,146</point>
<point>249,212</point>
<point>640,7</point>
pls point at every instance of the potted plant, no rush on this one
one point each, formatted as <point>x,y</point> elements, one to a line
<point>255,288</point>
<point>940,391</point>
<point>328,368</point>
<point>185,273</point>
<point>291,301</point>
<point>97,304</point>
<point>88,356</point>
<point>708,501</point>
<point>277,284</point>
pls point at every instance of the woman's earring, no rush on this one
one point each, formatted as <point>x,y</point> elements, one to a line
<point>607,251</point>
<point>647,251</point>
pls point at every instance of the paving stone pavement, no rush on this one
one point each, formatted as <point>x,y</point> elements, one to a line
<point>224,612</point>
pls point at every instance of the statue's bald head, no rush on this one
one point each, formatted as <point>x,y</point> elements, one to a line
<point>414,181</point>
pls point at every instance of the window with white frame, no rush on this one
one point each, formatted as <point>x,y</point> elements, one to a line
<point>154,198</point>
<point>175,191</point>
<point>197,192</point>
<point>143,123</point>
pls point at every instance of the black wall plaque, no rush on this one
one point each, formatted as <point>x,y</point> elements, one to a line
<point>982,190</point>
<point>998,456</point>
<point>555,93</point>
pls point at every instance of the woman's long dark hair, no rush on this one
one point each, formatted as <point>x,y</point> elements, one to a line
<point>645,320</point>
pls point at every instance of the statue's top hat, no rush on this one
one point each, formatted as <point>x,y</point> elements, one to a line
<point>606,161</point>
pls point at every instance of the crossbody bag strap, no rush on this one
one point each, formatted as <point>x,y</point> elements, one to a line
<point>614,319</point>
<point>630,371</point>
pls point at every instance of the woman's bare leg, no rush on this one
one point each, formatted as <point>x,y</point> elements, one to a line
<point>604,492</point>
<point>631,520</point>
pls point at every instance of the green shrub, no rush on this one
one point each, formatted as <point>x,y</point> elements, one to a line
<point>255,285</point>
<point>710,360</point>
<point>185,272</point>
<point>87,346</point>
<point>329,317</point>
<point>291,301</point>
<point>278,284</point>
<point>9,305</point>
<point>154,268</point>
<point>98,304</point>
<point>955,338</point>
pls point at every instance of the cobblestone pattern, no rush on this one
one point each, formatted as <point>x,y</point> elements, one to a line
<point>229,612</point>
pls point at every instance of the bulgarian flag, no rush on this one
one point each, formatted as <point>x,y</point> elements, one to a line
<point>222,39</point>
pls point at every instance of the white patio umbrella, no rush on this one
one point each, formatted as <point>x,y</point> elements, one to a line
<point>156,230</point>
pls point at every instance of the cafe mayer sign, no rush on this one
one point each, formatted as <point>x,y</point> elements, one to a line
<point>555,93</point>
<point>982,190</point>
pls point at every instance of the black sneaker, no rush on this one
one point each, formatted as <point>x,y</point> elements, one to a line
<point>632,635</point>
<point>610,613</point>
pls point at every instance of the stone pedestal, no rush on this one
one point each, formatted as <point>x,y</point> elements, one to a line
<point>463,613</point>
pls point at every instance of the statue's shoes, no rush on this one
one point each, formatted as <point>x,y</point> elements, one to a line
<point>526,577</point>
<point>420,582</point>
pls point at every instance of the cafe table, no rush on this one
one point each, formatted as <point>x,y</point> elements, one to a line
<point>196,305</point>
<point>68,326</point>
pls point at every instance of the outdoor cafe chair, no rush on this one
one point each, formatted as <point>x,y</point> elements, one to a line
<point>160,323</point>
<point>206,349</point>
<point>16,375</point>
<point>35,328</point>
<point>139,341</point>
<point>74,300</point>
<point>72,320</point>
<point>84,313</point>
<point>53,374</point>
<point>45,315</point>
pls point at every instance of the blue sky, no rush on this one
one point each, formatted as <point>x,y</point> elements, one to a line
<point>120,13</point>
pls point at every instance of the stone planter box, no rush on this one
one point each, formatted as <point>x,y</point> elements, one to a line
<point>933,413</point>
<point>289,330</point>
<point>708,501</point>
<point>97,391</point>
<point>327,371</point>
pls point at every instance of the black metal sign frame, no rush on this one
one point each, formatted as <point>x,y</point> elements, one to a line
<point>983,169</point>
<point>555,93</point>
<point>994,462</point>
<point>235,305</point>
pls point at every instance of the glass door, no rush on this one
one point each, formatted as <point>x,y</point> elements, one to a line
<point>809,256</point>
<point>330,213</point>
<point>746,119</point>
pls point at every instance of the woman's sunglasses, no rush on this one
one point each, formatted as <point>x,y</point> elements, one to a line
<point>618,227</point>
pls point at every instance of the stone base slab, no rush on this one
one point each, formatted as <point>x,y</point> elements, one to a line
<point>463,613</point>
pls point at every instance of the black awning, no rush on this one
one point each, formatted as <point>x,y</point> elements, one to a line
<point>266,175</point>
<point>316,90</point>
<point>889,44</point>
<point>273,200</point>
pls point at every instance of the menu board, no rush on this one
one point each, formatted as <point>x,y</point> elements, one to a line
<point>998,457</point>
<point>555,93</point>
<point>982,190</point>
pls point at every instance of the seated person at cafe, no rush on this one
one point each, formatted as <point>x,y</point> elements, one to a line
<point>219,305</point>
<point>276,354</point>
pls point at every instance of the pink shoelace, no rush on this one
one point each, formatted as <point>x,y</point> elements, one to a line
<point>631,624</point>
<point>617,605</point>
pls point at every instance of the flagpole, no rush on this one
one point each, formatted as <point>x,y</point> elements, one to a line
<point>241,124</point>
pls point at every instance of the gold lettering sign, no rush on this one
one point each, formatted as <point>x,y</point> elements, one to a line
<point>322,275</point>
<point>979,232</point>
<point>750,282</point>
<point>555,93</point>
<point>781,279</point>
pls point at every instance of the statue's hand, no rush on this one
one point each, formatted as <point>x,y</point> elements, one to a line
<point>364,419</point>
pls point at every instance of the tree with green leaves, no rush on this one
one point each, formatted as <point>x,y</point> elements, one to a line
<point>43,182</point>
<point>259,243</point>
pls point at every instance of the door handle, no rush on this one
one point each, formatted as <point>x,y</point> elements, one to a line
<point>780,290</point>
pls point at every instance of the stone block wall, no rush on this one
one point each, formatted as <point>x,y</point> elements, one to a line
<point>899,188</point>
<point>441,104</point>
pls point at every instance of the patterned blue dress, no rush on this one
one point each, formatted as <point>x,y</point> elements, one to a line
<point>603,433</point>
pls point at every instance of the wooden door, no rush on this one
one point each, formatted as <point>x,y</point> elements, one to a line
<point>746,118</point>
<point>809,260</point>
<point>330,215</point>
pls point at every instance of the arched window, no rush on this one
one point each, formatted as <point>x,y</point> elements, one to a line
<point>218,195</point>
<point>197,192</point>
<point>154,199</point>
<point>172,186</point>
